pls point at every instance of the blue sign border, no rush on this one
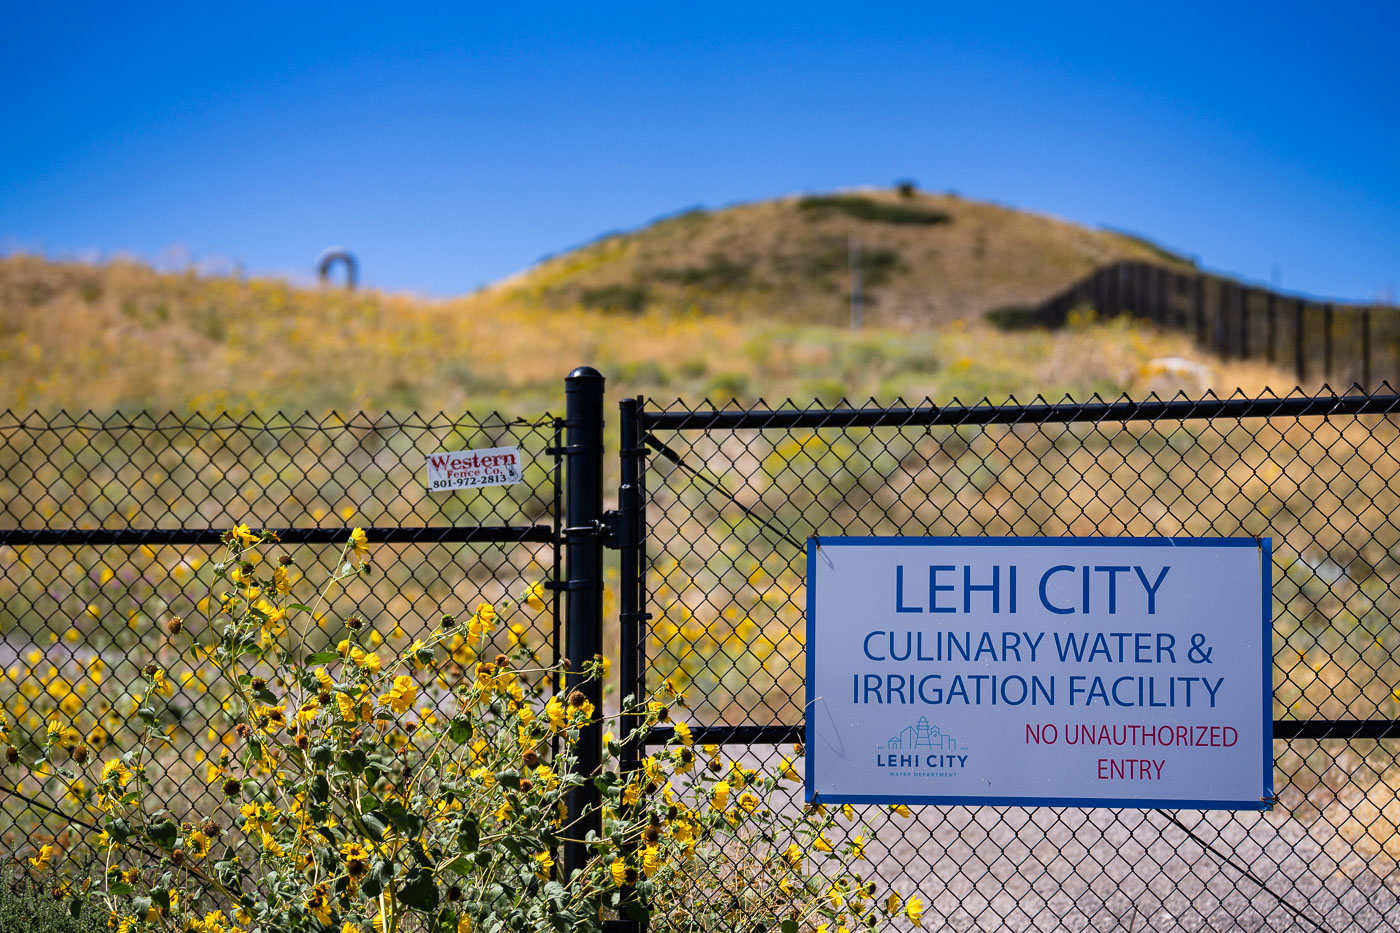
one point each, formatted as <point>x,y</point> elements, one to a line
<point>1266,797</point>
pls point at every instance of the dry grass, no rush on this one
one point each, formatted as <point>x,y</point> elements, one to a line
<point>123,337</point>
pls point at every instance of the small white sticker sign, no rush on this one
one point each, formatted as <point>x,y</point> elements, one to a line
<point>468,469</point>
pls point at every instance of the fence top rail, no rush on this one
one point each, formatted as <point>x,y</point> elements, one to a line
<point>1384,401</point>
<point>305,421</point>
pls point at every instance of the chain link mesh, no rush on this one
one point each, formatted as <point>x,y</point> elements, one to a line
<point>729,508</point>
<point>106,525</point>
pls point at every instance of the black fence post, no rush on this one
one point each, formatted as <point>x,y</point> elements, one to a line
<point>583,567</point>
<point>1271,323</point>
<point>1366,349</point>
<point>629,537</point>
<point>1298,362</point>
<point>1222,319</point>
<point>1244,295</point>
<point>1198,301</point>
<point>1327,342</point>
<point>631,521</point>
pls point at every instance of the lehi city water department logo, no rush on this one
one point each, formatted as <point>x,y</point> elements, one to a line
<point>922,749</point>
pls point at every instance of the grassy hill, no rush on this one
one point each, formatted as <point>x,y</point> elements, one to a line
<point>925,259</point>
<point>125,337</point>
<point>743,302</point>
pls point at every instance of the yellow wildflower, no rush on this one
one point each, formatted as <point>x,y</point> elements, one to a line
<point>618,869</point>
<point>793,856</point>
<point>41,862</point>
<point>544,863</point>
<point>319,903</point>
<point>402,695</point>
<point>534,596</point>
<point>821,844</point>
<point>198,844</point>
<point>914,909</point>
<point>245,535</point>
<point>282,581</point>
<point>900,810</point>
<point>554,710</point>
<point>719,795</point>
<point>683,733</point>
<point>116,772</point>
<point>651,859</point>
<point>360,543</point>
<point>857,847</point>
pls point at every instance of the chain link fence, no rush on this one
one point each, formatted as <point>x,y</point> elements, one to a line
<point>107,524</point>
<point>731,495</point>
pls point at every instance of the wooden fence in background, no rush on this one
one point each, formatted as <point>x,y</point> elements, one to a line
<point>1341,345</point>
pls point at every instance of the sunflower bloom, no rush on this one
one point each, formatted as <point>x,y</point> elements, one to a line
<point>116,772</point>
<point>41,861</point>
<point>402,695</point>
<point>618,869</point>
<point>914,910</point>
<point>360,543</point>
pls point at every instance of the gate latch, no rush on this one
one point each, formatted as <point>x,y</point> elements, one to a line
<point>619,529</point>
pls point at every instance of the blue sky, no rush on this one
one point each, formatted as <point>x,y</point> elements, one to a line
<point>449,147</point>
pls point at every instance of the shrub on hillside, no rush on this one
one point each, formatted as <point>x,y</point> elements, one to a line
<point>869,209</point>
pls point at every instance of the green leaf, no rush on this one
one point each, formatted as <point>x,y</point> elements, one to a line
<point>163,833</point>
<point>469,835</point>
<point>300,607</point>
<point>118,828</point>
<point>789,926</point>
<point>325,857</point>
<point>119,889</point>
<point>410,824</point>
<point>354,760</point>
<point>148,714</point>
<point>419,890</point>
<point>460,865</point>
<point>461,730</point>
<point>320,657</point>
<point>508,779</point>
<point>375,827</point>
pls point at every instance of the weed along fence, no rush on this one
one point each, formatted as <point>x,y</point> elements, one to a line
<point>1323,342</point>
<point>1074,666</point>
<point>108,527</point>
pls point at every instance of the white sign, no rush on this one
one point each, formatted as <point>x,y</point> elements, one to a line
<point>1129,672</point>
<point>468,469</point>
